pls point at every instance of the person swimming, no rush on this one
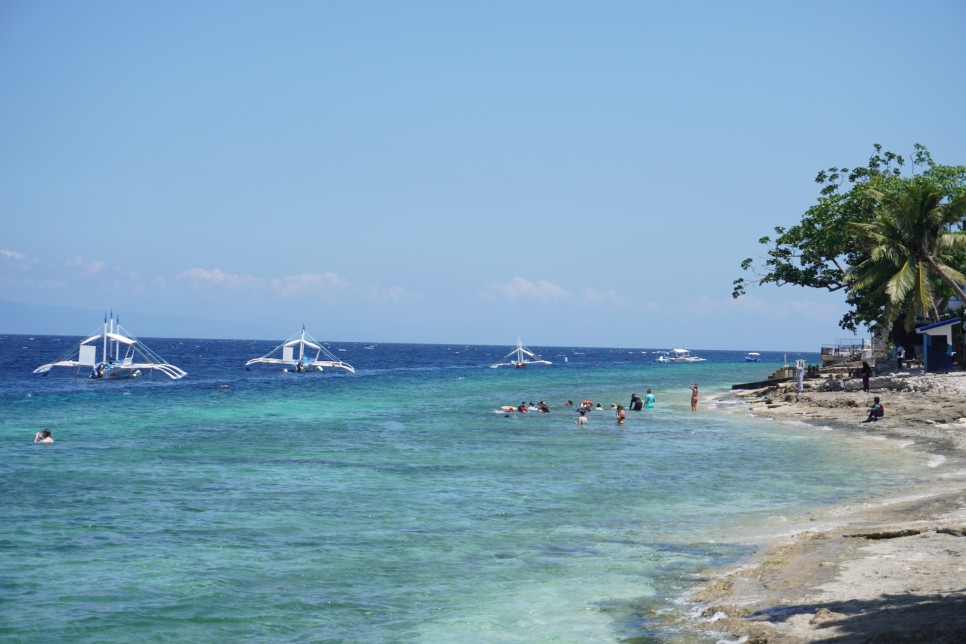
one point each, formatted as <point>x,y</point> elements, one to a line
<point>44,436</point>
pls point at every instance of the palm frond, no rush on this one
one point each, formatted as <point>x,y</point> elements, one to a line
<point>910,248</point>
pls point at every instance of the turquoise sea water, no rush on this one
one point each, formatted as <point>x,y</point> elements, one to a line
<point>396,504</point>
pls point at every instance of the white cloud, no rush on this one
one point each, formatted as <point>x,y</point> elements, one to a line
<point>12,254</point>
<point>522,289</point>
<point>91,268</point>
<point>215,277</point>
<point>17,260</point>
<point>309,283</point>
<point>329,285</point>
<point>543,291</point>
<point>397,294</point>
<point>326,285</point>
<point>608,296</point>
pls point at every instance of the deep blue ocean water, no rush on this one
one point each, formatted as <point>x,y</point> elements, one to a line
<point>395,504</point>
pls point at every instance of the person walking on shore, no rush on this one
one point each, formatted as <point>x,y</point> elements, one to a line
<point>900,356</point>
<point>694,396</point>
<point>866,374</point>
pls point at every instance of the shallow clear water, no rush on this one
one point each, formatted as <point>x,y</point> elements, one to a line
<point>396,504</point>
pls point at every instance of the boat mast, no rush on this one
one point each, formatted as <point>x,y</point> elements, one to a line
<point>302,343</point>
<point>104,354</point>
<point>117,345</point>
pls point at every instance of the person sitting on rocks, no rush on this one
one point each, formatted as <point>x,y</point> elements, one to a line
<point>876,412</point>
<point>829,384</point>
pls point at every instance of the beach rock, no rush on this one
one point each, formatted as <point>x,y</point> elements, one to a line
<point>886,534</point>
<point>823,615</point>
<point>956,532</point>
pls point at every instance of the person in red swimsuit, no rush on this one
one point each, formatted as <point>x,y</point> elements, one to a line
<point>694,397</point>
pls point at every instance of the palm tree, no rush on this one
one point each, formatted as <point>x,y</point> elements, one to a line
<point>911,246</point>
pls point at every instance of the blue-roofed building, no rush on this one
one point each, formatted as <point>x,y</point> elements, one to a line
<point>937,344</point>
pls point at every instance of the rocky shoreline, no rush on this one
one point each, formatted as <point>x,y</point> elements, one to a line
<point>891,573</point>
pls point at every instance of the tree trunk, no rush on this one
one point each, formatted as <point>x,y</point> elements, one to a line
<point>946,278</point>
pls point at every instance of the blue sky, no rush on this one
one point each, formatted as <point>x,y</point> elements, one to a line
<point>572,173</point>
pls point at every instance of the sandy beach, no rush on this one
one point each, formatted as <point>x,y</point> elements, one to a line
<point>893,572</point>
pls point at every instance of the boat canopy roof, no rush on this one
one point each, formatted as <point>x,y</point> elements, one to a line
<point>117,337</point>
<point>307,343</point>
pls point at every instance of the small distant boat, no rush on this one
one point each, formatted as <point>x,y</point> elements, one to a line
<point>662,356</point>
<point>111,364</point>
<point>683,355</point>
<point>752,356</point>
<point>520,357</point>
<point>302,353</point>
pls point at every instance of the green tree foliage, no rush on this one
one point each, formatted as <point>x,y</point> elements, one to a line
<point>820,250</point>
<point>912,249</point>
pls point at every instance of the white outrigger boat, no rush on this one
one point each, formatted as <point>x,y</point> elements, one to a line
<point>752,356</point>
<point>297,353</point>
<point>677,355</point>
<point>683,355</point>
<point>520,358</point>
<point>137,358</point>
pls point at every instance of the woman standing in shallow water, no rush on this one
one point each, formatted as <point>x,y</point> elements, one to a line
<point>694,396</point>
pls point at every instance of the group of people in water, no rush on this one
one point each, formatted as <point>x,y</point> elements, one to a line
<point>585,407</point>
